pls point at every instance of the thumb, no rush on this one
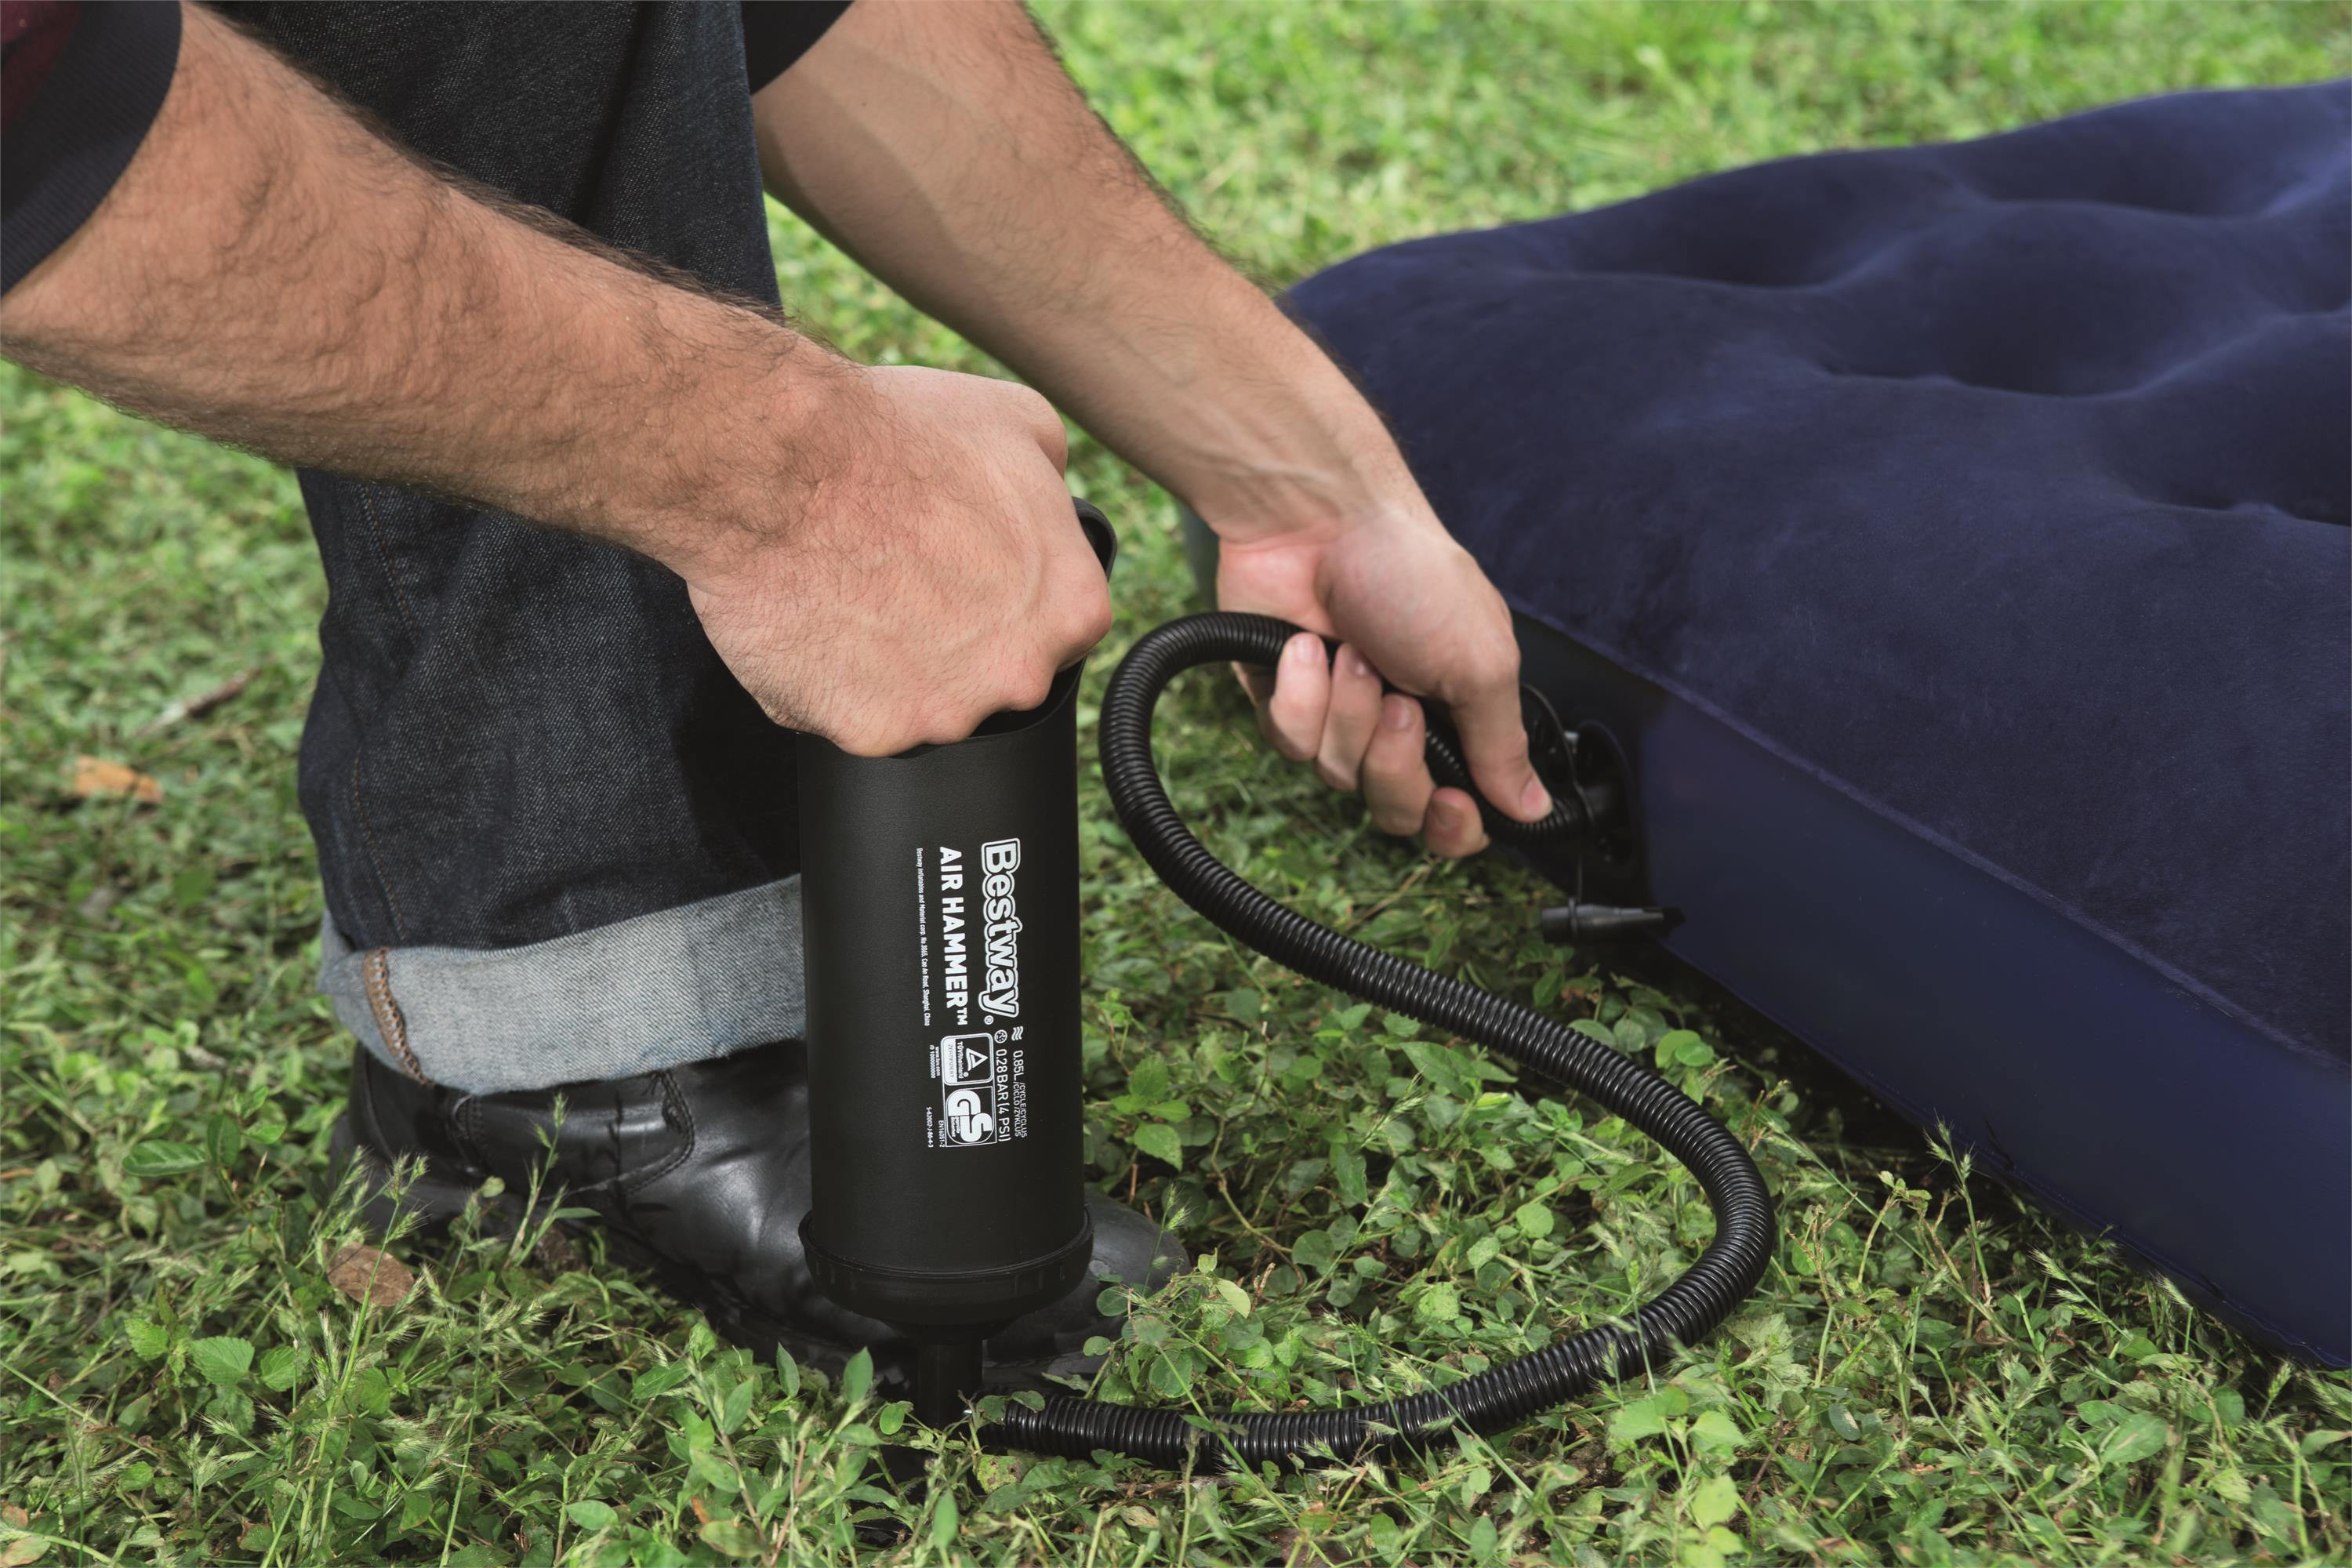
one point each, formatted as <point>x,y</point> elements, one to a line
<point>1495,745</point>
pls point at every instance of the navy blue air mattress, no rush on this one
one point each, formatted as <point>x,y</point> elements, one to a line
<point>1954,539</point>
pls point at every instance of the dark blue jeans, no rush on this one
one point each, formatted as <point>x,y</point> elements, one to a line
<point>557,839</point>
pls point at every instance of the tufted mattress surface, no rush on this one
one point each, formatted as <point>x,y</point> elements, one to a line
<point>1998,488</point>
<point>2004,483</point>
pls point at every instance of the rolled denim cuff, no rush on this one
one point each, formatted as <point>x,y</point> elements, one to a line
<point>656,991</point>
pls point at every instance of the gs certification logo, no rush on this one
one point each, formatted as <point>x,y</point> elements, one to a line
<point>968,1109</point>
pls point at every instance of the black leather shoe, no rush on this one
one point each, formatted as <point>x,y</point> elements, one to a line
<point>701,1175</point>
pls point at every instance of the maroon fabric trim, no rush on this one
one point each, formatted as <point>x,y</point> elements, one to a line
<point>33,34</point>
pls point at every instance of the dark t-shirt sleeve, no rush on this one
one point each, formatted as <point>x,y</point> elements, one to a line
<point>778,32</point>
<point>71,128</point>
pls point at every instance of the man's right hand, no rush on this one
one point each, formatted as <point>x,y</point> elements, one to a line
<point>912,569</point>
<point>885,557</point>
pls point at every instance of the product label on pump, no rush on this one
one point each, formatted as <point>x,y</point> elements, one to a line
<point>975,955</point>
<point>969,1105</point>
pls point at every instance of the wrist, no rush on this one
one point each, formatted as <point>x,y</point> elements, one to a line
<point>738,462</point>
<point>1312,461</point>
<point>1293,502</point>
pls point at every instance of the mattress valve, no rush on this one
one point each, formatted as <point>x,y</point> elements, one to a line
<point>1606,922</point>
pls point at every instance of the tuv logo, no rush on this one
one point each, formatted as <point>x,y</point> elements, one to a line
<point>967,1059</point>
<point>968,1091</point>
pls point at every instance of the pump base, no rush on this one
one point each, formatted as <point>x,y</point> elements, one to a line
<point>947,1379</point>
<point>971,1303</point>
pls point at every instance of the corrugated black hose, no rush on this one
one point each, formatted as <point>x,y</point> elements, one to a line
<point>1489,1401</point>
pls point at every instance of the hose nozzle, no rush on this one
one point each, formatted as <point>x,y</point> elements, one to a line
<point>1605,922</point>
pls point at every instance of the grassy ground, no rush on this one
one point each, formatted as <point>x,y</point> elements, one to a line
<point>1930,1373</point>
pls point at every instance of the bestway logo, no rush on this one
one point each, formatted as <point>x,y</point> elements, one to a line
<point>999,860</point>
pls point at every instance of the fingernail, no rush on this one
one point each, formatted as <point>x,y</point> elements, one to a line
<point>1396,713</point>
<point>1535,800</point>
<point>1356,664</point>
<point>1304,648</point>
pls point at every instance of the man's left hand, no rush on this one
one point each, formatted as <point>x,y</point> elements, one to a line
<point>1409,605</point>
<point>943,147</point>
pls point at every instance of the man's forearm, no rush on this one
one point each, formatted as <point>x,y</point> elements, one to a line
<point>269,272</point>
<point>944,147</point>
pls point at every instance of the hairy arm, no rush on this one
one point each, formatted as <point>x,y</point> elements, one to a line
<point>268,271</point>
<point>944,147</point>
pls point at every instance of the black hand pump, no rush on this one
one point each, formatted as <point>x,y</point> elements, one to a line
<point>940,906</point>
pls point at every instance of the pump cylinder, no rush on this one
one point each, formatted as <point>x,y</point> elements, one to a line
<point>940,934</point>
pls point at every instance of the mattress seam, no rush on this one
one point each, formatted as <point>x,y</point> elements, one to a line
<point>2195,987</point>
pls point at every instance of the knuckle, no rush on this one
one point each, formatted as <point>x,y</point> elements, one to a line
<point>869,739</point>
<point>1033,406</point>
<point>944,726</point>
<point>1490,660</point>
<point>1509,750</point>
<point>1496,669</point>
<point>1288,742</point>
<point>1404,778</point>
<point>1093,622</point>
<point>1299,701</point>
<point>1019,684</point>
<point>1098,619</point>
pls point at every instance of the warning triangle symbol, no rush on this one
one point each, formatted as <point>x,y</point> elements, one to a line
<point>972,1061</point>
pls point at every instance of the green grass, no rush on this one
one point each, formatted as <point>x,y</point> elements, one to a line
<point>1931,1374</point>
